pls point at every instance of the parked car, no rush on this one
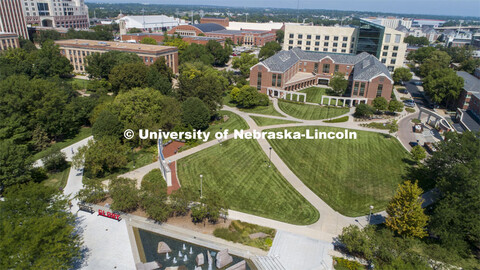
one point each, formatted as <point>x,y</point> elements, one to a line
<point>417,82</point>
<point>413,144</point>
<point>409,103</point>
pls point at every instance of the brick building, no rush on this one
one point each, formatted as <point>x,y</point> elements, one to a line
<point>295,69</point>
<point>12,18</point>
<point>222,21</point>
<point>470,96</point>
<point>159,38</point>
<point>76,50</point>
<point>8,41</point>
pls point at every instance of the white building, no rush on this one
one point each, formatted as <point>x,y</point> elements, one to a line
<point>254,26</point>
<point>154,23</point>
<point>391,22</point>
<point>56,13</point>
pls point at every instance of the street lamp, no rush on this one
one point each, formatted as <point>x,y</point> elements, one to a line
<point>270,157</point>
<point>201,186</point>
<point>370,215</point>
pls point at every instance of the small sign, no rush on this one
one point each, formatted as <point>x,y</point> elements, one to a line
<point>109,215</point>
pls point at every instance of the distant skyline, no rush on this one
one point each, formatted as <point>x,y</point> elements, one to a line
<point>428,7</point>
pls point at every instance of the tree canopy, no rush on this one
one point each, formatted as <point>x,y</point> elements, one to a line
<point>244,63</point>
<point>195,113</point>
<point>269,49</point>
<point>338,83</point>
<point>402,74</point>
<point>100,65</point>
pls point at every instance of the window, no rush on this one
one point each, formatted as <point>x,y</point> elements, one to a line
<point>379,90</point>
<point>390,68</point>
<point>316,49</point>
<point>336,68</point>
<point>299,42</point>
<point>344,51</point>
<point>395,48</point>
<point>315,67</point>
<point>384,60</point>
<point>300,36</point>
<point>353,39</point>
<point>317,37</point>
<point>387,38</point>
<point>309,42</point>
<point>334,50</point>
<point>317,43</point>
<point>290,41</point>
<point>345,38</point>
<point>385,48</point>
<point>397,38</point>
<point>309,36</point>
<point>325,44</point>
<point>290,47</point>
<point>355,88</point>
<point>393,61</point>
<point>335,44</point>
<point>384,53</point>
<point>325,49</point>
<point>274,79</point>
<point>307,49</point>
<point>326,68</point>
<point>327,37</point>
<point>259,80</point>
<point>394,54</point>
<point>344,45</point>
<point>291,35</point>
<point>335,38</point>
<point>362,89</point>
<point>279,80</point>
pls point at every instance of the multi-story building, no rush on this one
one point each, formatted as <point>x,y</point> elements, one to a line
<point>391,22</point>
<point>240,37</point>
<point>8,41</point>
<point>151,23</point>
<point>296,69</point>
<point>136,38</point>
<point>222,21</point>
<point>56,13</point>
<point>12,19</point>
<point>470,96</point>
<point>383,42</point>
<point>76,50</point>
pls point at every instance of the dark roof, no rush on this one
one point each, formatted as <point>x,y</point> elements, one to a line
<point>209,27</point>
<point>237,32</point>
<point>470,83</point>
<point>471,121</point>
<point>366,66</point>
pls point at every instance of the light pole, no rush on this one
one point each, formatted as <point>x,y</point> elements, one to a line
<point>270,157</point>
<point>370,215</point>
<point>201,186</point>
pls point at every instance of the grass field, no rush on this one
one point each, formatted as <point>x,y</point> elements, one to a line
<point>238,170</point>
<point>338,120</point>
<point>268,110</point>
<point>349,175</point>
<point>57,180</point>
<point>310,112</point>
<point>265,121</point>
<point>314,95</point>
<point>82,134</point>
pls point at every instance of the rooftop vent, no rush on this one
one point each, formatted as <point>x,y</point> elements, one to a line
<point>284,57</point>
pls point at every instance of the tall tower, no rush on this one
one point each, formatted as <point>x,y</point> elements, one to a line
<point>12,18</point>
<point>57,13</point>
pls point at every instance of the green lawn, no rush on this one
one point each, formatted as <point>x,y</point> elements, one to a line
<point>310,112</point>
<point>268,110</point>
<point>314,95</point>
<point>349,175</point>
<point>82,134</point>
<point>338,120</point>
<point>142,158</point>
<point>238,170</point>
<point>265,121</point>
<point>57,180</point>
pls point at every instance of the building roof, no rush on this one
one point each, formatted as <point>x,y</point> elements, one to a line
<point>366,66</point>
<point>161,34</point>
<point>238,32</point>
<point>470,83</point>
<point>254,26</point>
<point>115,46</point>
<point>151,21</point>
<point>208,27</point>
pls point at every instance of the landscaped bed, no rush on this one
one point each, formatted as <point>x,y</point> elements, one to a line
<point>349,175</point>
<point>247,234</point>
<point>239,171</point>
<point>310,112</point>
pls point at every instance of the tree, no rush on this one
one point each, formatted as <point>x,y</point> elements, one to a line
<point>269,49</point>
<point>338,83</point>
<point>363,110</point>
<point>100,65</point>
<point>416,41</point>
<point>220,54</point>
<point>244,63</point>
<point>421,54</point>
<point>249,97</point>
<point>134,30</point>
<point>443,85</point>
<point>279,35</point>
<point>37,231</point>
<point>49,62</point>
<point>101,156</point>
<point>393,126</point>
<point>199,213</point>
<point>26,44</point>
<point>160,66</point>
<point>402,74</point>
<point>148,40</point>
<point>395,106</point>
<point>436,61</point>
<point>15,163</point>
<point>176,42</point>
<point>107,125</point>
<point>470,65</point>
<point>405,213</point>
<point>204,82</point>
<point>153,196</point>
<point>418,153</point>
<point>124,194</point>
<point>380,103</point>
<point>197,53</point>
<point>92,191</point>
<point>128,76</point>
<point>180,201</point>
<point>55,160</point>
<point>195,113</point>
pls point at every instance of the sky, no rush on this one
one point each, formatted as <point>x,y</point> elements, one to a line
<point>430,7</point>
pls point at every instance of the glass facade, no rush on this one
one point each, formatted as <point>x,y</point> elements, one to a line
<point>370,38</point>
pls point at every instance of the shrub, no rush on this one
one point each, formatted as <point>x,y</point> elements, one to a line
<point>363,110</point>
<point>410,110</point>
<point>351,265</point>
<point>124,194</point>
<point>55,161</point>
<point>337,120</point>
